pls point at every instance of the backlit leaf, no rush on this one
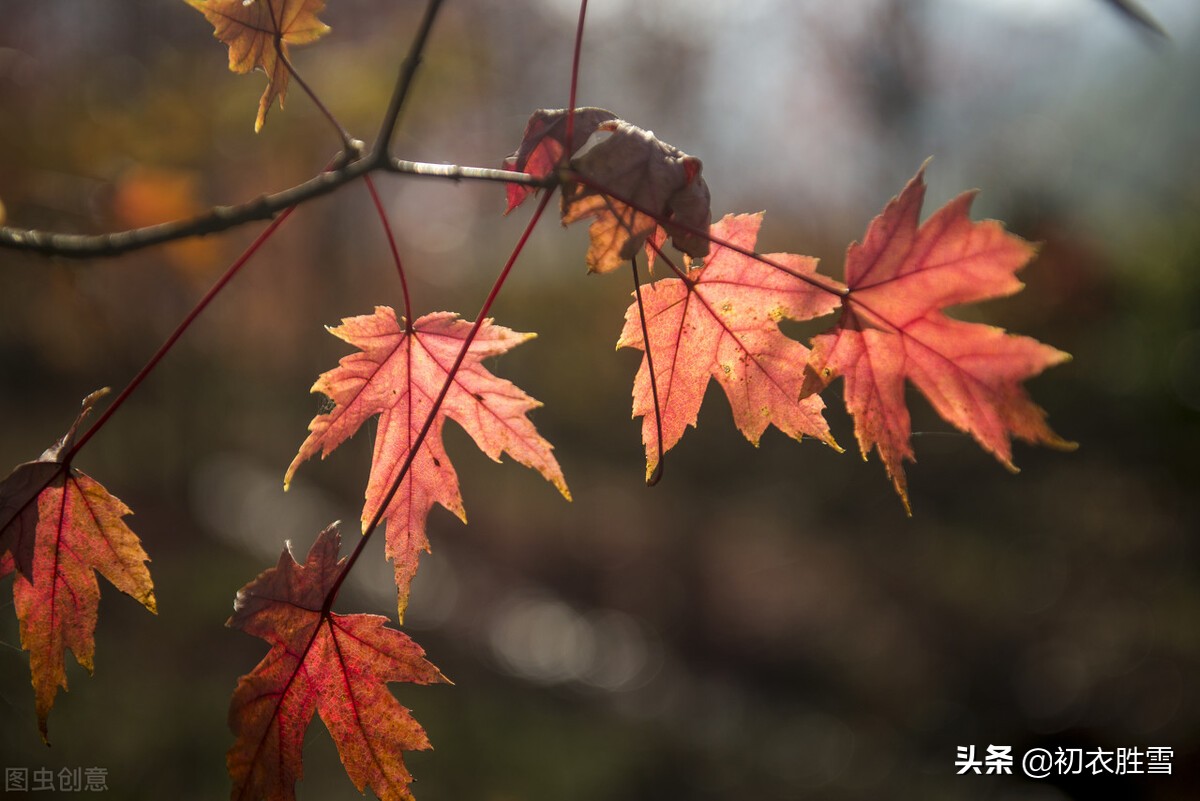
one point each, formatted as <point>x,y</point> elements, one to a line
<point>58,527</point>
<point>250,28</point>
<point>722,323</point>
<point>335,665</point>
<point>893,328</point>
<point>397,374</point>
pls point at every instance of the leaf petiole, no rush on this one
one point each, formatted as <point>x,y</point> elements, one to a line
<point>657,473</point>
<point>815,280</point>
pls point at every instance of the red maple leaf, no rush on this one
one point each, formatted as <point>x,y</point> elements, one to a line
<point>722,322</point>
<point>59,527</point>
<point>397,374</point>
<point>336,665</point>
<point>892,327</point>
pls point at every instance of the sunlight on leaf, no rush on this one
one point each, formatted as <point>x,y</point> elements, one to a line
<point>250,29</point>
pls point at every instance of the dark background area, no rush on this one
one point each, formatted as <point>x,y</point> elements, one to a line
<point>764,624</point>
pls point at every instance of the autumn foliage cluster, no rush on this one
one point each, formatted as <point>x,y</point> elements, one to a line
<point>706,306</point>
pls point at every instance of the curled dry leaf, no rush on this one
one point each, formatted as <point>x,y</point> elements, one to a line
<point>634,184</point>
<point>58,527</point>
<point>250,28</point>
<point>544,146</point>
<point>901,278</point>
<point>334,665</point>
<point>631,184</point>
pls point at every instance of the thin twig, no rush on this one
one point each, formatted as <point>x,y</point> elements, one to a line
<point>391,239</point>
<point>153,362</point>
<point>381,150</point>
<point>456,172</point>
<point>1139,16</point>
<point>575,80</point>
<point>351,147</point>
<point>436,407</point>
<point>659,464</point>
<point>223,218</point>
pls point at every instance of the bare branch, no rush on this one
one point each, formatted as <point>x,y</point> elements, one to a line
<point>408,70</point>
<point>1139,16</point>
<point>351,147</point>
<point>223,218</point>
<point>457,173</point>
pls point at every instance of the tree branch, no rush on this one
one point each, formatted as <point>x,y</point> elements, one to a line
<point>381,150</point>
<point>223,218</point>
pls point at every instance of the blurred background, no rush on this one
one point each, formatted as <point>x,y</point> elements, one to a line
<point>765,623</point>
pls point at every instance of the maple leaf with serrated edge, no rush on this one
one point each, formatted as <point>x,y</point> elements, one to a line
<point>892,327</point>
<point>250,27</point>
<point>59,528</point>
<point>722,323</point>
<point>397,374</point>
<point>335,665</point>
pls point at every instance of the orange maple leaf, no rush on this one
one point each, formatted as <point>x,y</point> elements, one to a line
<point>892,327</point>
<point>722,322</point>
<point>59,527</point>
<point>337,665</point>
<point>250,29</point>
<point>397,375</point>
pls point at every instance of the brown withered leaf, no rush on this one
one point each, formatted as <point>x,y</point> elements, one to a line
<point>635,187</point>
<point>633,184</point>
<point>545,142</point>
